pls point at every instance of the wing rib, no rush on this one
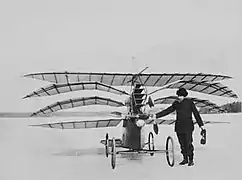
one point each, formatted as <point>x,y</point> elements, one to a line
<point>199,102</point>
<point>209,88</point>
<point>55,89</point>
<point>81,124</point>
<point>120,78</point>
<point>71,103</point>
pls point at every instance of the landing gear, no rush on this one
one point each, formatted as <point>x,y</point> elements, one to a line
<point>111,144</point>
<point>106,145</point>
<point>113,154</point>
<point>170,156</point>
<point>151,143</point>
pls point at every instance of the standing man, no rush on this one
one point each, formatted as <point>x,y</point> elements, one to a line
<point>184,126</point>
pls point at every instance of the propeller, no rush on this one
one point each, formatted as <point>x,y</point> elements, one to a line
<point>151,104</point>
<point>135,76</point>
<point>155,128</point>
<point>155,125</point>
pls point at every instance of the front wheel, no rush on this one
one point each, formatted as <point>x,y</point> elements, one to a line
<point>113,154</point>
<point>170,156</point>
<point>151,143</point>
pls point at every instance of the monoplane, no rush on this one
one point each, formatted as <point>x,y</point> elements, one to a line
<point>138,99</point>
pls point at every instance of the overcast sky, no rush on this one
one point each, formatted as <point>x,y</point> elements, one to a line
<point>103,36</point>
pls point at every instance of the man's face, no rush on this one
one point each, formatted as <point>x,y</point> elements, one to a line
<point>181,98</point>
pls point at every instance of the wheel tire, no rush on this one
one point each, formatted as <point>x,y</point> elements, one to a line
<point>151,142</point>
<point>170,156</point>
<point>113,154</point>
<point>106,145</point>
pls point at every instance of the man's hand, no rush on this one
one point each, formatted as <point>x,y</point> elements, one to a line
<point>143,116</point>
<point>202,127</point>
<point>203,134</point>
<point>152,116</point>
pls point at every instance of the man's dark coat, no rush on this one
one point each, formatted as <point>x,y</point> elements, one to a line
<point>184,110</point>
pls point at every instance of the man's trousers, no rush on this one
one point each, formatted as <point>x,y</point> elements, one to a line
<point>185,140</point>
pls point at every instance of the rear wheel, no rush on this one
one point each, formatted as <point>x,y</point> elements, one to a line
<point>113,154</point>
<point>170,156</point>
<point>151,143</point>
<point>106,145</point>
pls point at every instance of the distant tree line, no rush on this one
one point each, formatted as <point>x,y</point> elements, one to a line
<point>233,107</point>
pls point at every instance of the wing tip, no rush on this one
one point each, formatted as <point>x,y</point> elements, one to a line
<point>26,97</point>
<point>235,96</point>
<point>36,125</point>
<point>32,125</point>
<point>26,75</point>
<point>33,115</point>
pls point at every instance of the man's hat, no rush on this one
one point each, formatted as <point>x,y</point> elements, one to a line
<point>182,92</point>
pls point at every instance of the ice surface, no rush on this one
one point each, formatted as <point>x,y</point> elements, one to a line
<point>30,153</point>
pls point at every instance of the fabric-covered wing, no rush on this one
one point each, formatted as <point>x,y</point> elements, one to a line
<point>211,88</point>
<point>54,89</point>
<point>211,107</point>
<point>82,124</point>
<point>123,79</point>
<point>172,121</point>
<point>72,103</point>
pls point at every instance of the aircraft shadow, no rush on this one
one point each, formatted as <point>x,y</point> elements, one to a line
<point>81,152</point>
<point>98,152</point>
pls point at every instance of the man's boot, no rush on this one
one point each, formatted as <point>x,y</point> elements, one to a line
<point>184,161</point>
<point>191,162</point>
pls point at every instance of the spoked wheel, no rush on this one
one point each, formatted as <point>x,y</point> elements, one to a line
<point>113,154</point>
<point>170,156</point>
<point>151,142</point>
<point>106,145</point>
